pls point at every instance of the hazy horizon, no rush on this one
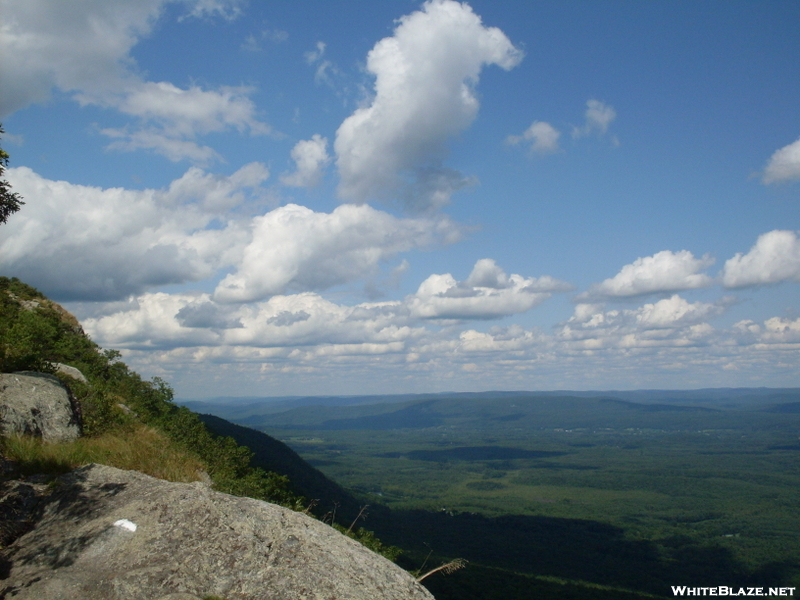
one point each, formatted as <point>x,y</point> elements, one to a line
<point>677,391</point>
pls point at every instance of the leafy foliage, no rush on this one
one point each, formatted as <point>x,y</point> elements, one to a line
<point>10,202</point>
<point>35,332</point>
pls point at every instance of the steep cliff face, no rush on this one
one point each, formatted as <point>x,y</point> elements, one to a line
<point>108,534</point>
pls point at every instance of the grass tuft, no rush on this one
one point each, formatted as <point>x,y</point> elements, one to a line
<point>138,448</point>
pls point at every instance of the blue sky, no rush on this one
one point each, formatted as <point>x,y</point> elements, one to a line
<point>253,198</point>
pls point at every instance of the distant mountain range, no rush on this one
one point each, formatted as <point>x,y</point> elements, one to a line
<point>703,395</point>
<point>416,410</point>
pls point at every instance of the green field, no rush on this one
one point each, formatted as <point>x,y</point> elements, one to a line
<point>568,496</point>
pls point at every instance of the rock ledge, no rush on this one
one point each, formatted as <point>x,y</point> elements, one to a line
<point>108,534</point>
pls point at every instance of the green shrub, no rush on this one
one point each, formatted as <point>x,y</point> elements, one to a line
<point>27,343</point>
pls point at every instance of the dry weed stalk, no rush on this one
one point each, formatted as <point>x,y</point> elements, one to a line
<point>358,516</point>
<point>446,568</point>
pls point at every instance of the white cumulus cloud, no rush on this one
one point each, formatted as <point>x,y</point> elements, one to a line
<point>121,242</point>
<point>73,46</point>
<point>779,330</point>
<point>599,116</point>
<point>542,136</point>
<point>675,311</point>
<point>150,321</point>
<point>84,242</point>
<point>783,165</point>
<point>295,248</point>
<point>663,272</point>
<point>671,322</point>
<point>425,76</point>
<point>775,257</point>
<point>275,340</point>
<point>488,293</point>
<point>311,157</point>
<point>306,320</point>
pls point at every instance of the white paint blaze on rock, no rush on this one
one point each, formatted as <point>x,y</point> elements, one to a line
<point>125,524</point>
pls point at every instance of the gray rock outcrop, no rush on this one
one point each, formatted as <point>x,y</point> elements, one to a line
<point>107,534</point>
<point>37,404</point>
<point>71,372</point>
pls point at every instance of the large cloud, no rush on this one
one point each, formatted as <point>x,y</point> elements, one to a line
<point>784,165</point>
<point>83,242</point>
<point>84,48</point>
<point>121,242</point>
<point>663,272</point>
<point>294,248</point>
<point>676,312</point>
<point>779,331</point>
<point>72,46</point>
<point>671,322</point>
<point>424,80</point>
<point>775,257</point>
<point>307,319</point>
<point>488,293</point>
<point>670,312</point>
<point>152,321</point>
<point>299,320</point>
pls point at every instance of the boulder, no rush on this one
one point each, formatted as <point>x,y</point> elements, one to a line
<point>108,534</point>
<point>37,404</point>
<point>71,372</point>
